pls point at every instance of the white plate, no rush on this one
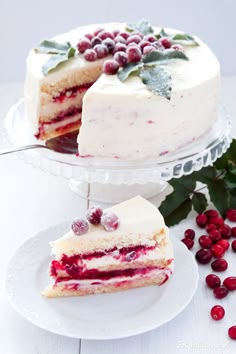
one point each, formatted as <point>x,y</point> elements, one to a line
<point>103,316</point>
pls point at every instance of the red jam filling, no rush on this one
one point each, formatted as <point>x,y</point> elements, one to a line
<point>71,92</point>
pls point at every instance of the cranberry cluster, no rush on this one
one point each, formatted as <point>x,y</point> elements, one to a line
<point>214,244</point>
<point>95,216</point>
<point>124,47</point>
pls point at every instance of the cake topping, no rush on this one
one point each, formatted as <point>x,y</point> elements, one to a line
<point>110,221</point>
<point>94,215</point>
<point>80,226</point>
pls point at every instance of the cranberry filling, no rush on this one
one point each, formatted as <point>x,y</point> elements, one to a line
<point>71,92</point>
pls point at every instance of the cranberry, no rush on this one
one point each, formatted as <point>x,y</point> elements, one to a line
<point>105,34</point>
<point>110,44</point>
<point>216,221</point>
<point>210,227</point>
<point>101,50</point>
<point>211,213</point>
<point>218,251</point>
<point>230,283</point>
<point>203,256</point>
<point>205,241</point>
<point>121,58</point>
<point>94,215</point>
<point>116,32</point>
<point>219,265</point>
<point>120,47</point>
<point>95,41</point>
<point>98,30</point>
<point>189,233</point>
<point>233,230</point>
<point>224,244</point>
<point>158,45</point>
<point>212,281</point>
<point>178,47</point>
<point>165,42</point>
<point>89,36</point>
<point>83,44</point>
<point>134,33</point>
<point>217,312</point>
<point>225,231</point>
<point>80,226</point>
<point>201,220</point>
<point>124,35</point>
<point>110,221</point>
<point>150,38</point>
<point>233,245</point>
<point>231,214</point>
<point>144,44</point>
<point>134,54</point>
<point>110,67</point>
<point>134,39</point>
<point>90,55</point>
<point>215,235</point>
<point>220,292</point>
<point>188,242</point>
<point>119,39</point>
<point>232,332</point>
<point>148,49</point>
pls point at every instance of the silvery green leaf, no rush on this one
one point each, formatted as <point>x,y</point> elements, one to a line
<point>52,47</point>
<point>127,70</point>
<point>142,26</point>
<point>157,80</point>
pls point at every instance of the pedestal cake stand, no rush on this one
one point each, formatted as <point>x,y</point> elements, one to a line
<point>117,179</point>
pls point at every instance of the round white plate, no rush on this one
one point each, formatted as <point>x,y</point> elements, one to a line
<point>103,316</point>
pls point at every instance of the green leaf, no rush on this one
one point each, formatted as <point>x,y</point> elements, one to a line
<point>229,155</point>
<point>55,60</point>
<point>157,80</point>
<point>52,47</point>
<point>180,213</point>
<point>199,202</point>
<point>127,70</point>
<point>232,200</point>
<point>219,194</point>
<point>142,26</point>
<point>156,56</point>
<point>184,38</point>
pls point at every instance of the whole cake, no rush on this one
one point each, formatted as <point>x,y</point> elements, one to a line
<point>124,247</point>
<point>134,91</point>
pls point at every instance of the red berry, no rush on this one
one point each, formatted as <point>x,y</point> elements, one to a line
<point>178,47</point>
<point>150,38</point>
<point>101,51</point>
<point>89,36</point>
<point>210,227</point>
<point>224,244</point>
<point>215,235</point>
<point>211,213</point>
<point>217,312</point>
<point>121,58</point>
<point>232,332</point>
<point>203,256</point>
<point>218,251</point>
<point>110,44</point>
<point>119,39</point>
<point>134,33</point>
<point>80,226</point>
<point>230,283</point>
<point>205,241</point>
<point>158,45</point>
<point>220,292</point>
<point>165,42</point>
<point>98,30</point>
<point>201,220</point>
<point>95,41</point>
<point>188,242</point>
<point>94,215</point>
<point>219,265</point>
<point>216,221</point>
<point>110,67</point>
<point>225,231</point>
<point>148,49</point>
<point>189,233</point>
<point>124,35</point>
<point>110,221</point>
<point>233,245</point>
<point>144,44</point>
<point>90,55</point>
<point>116,32</point>
<point>231,214</point>
<point>120,47</point>
<point>134,39</point>
<point>83,44</point>
<point>105,34</point>
<point>212,281</point>
<point>233,230</point>
<point>134,54</point>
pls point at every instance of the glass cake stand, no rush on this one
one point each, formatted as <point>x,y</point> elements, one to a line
<point>117,179</point>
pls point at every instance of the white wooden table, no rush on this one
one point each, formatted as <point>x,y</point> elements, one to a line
<point>31,200</point>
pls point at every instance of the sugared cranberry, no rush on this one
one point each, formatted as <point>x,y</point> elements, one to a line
<point>205,241</point>
<point>90,55</point>
<point>105,34</point>
<point>210,227</point>
<point>189,233</point>
<point>188,242</point>
<point>125,35</point>
<point>232,332</point>
<point>233,230</point>
<point>215,235</point>
<point>211,213</point>
<point>98,30</point>
<point>121,58</point>
<point>233,245</point>
<point>120,47</point>
<point>89,36</point>
<point>95,41</point>
<point>110,44</point>
<point>225,231</point>
<point>116,32</point>
<point>165,42</point>
<point>144,44</point>
<point>216,221</point>
<point>217,250</point>
<point>203,256</point>
<point>80,226</point>
<point>94,215</point>
<point>178,47</point>
<point>148,49</point>
<point>231,214</point>
<point>134,54</point>
<point>110,67</point>
<point>134,33</point>
<point>83,44</point>
<point>119,39</point>
<point>219,265</point>
<point>212,281</point>
<point>220,292</point>
<point>150,38</point>
<point>201,220</point>
<point>224,244</point>
<point>134,39</point>
<point>101,51</point>
<point>217,312</point>
<point>110,221</point>
<point>158,45</point>
<point>230,283</point>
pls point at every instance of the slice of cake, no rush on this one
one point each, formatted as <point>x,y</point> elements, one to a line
<point>123,247</point>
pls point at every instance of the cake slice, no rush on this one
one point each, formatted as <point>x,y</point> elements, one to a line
<point>123,247</point>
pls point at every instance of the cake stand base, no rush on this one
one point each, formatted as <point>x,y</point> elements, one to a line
<point>109,193</point>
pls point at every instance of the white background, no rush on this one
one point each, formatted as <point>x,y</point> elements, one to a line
<point>23,23</point>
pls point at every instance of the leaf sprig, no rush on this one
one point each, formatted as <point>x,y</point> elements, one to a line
<point>220,181</point>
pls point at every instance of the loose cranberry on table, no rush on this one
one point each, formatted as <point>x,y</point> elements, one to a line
<point>201,220</point>
<point>233,230</point>
<point>216,220</point>
<point>94,215</point>
<point>230,283</point>
<point>110,67</point>
<point>188,242</point>
<point>210,227</point>
<point>215,235</point>
<point>219,265</point>
<point>224,244</point>
<point>217,312</point>
<point>231,214</point>
<point>232,332</point>
<point>233,245</point>
<point>211,213</point>
<point>203,256</point>
<point>217,251</point>
<point>220,291</point>
<point>225,231</point>
<point>189,233</point>
<point>205,241</point>
<point>212,281</point>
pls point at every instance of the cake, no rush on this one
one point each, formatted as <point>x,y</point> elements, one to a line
<point>126,246</point>
<point>134,92</point>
